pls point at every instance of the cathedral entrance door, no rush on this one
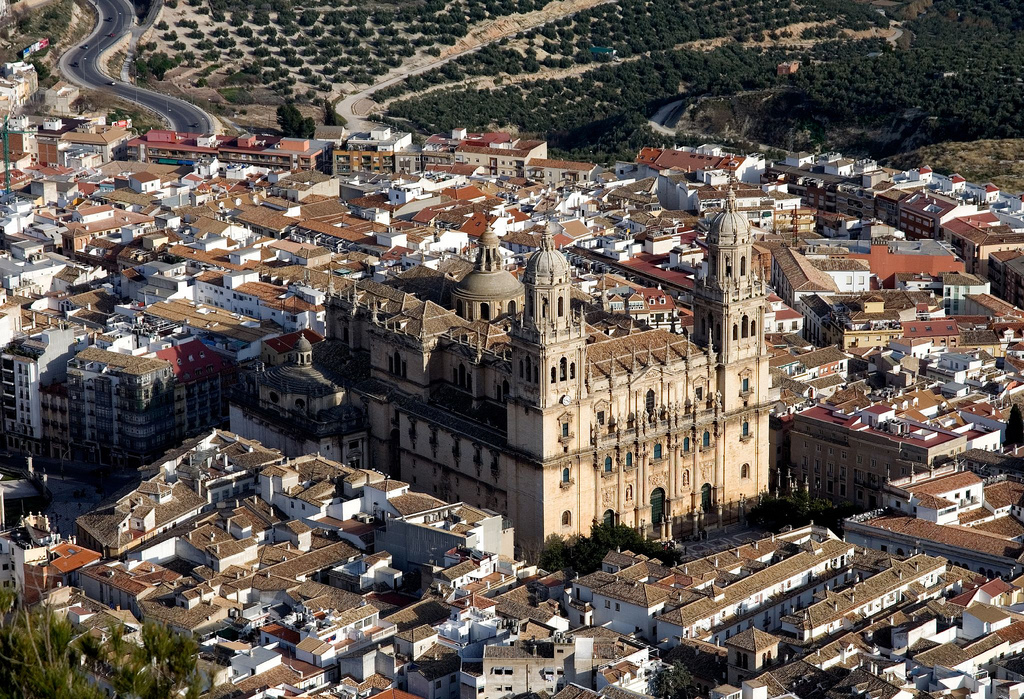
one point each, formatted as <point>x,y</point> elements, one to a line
<point>657,506</point>
<point>705,497</point>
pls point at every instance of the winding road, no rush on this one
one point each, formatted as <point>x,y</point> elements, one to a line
<point>83,66</point>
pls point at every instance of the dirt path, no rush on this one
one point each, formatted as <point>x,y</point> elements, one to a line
<point>357,106</point>
<point>362,106</point>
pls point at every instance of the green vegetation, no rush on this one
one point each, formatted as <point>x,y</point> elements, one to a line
<point>675,682</point>
<point>293,124</point>
<point>584,554</point>
<point>44,659</point>
<point>1015,426</point>
<point>155,65</point>
<point>799,509</point>
<point>952,74</point>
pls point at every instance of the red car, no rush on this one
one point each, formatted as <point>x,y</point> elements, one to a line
<point>111,34</point>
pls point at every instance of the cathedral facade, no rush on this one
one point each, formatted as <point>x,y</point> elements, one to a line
<point>518,399</point>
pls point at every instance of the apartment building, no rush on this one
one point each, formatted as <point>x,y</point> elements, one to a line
<point>919,575</point>
<point>265,152</point>
<point>121,407</point>
<point>201,381</point>
<point>976,237</point>
<point>760,596</point>
<point>375,151</point>
<point>956,287</point>
<point>973,522</point>
<point>30,365</point>
<point>923,214</point>
<point>851,455</point>
<point>507,159</point>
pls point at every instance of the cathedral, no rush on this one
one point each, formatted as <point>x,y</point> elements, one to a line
<point>520,397</point>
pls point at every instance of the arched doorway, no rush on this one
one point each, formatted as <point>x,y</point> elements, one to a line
<point>657,505</point>
<point>609,518</point>
<point>705,497</point>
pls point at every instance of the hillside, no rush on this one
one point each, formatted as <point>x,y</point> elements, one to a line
<point>872,83</point>
<point>999,161</point>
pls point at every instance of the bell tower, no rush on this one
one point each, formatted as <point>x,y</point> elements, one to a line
<point>729,305</point>
<point>548,352</point>
<point>729,300</point>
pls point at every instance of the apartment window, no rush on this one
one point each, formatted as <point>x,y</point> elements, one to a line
<point>617,608</point>
<point>607,604</point>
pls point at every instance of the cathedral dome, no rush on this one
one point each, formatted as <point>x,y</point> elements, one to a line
<point>730,226</point>
<point>547,265</point>
<point>497,285</point>
<point>489,290</point>
<point>293,379</point>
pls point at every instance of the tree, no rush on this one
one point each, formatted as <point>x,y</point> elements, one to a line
<point>331,117</point>
<point>43,659</point>
<point>585,553</point>
<point>799,509</point>
<point>1015,426</point>
<point>674,682</point>
<point>293,124</point>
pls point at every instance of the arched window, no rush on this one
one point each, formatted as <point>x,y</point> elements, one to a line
<point>743,266</point>
<point>561,306</point>
<point>649,401</point>
<point>544,308</point>
<point>563,369</point>
<point>554,376</point>
<point>511,308</point>
<point>657,451</point>
<point>520,368</point>
<point>485,311</point>
<point>745,321</point>
<point>609,518</point>
<point>529,369</point>
<point>745,471</point>
<point>629,459</point>
<point>707,439</point>
<point>572,370</point>
<point>686,444</point>
<point>753,328</point>
<point>459,308</point>
<point>686,477</point>
<point>567,519</point>
<point>300,404</point>
<point>746,428</point>
<point>736,332</point>
<point>529,306</point>
<point>607,464</point>
<point>565,475</point>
